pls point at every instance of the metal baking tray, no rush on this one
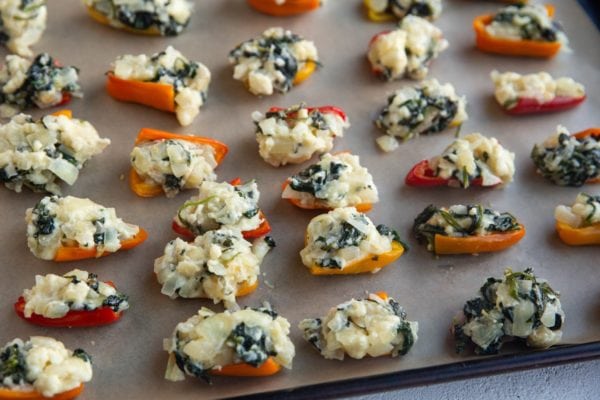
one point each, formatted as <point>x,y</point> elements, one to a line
<point>128,358</point>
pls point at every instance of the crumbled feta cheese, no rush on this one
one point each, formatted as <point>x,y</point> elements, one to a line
<point>475,156</point>
<point>510,87</point>
<point>53,296</point>
<point>374,326</point>
<point>272,61</point>
<point>189,79</point>
<point>430,9</point>
<point>166,17</point>
<point>40,83</point>
<point>294,134</point>
<point>428,107</point>
<point>337,180</point>
<point>585,211</point>
<point>44,365</point>
<point>408,50</point>
<point>71,221</point>
<point>215,265</point>
<point>341,237</point>
<point>209,341</point>
<point>174,164</point>
<point>22,24</point>
<point>221,205</point>
<point>37,154</point>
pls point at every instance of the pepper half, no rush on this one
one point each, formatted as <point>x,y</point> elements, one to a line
<point>522,47</point>
<point>531,105</point>
<point>368,263</point>
<point>588,235</point>
<point>144,189</point>
<point>477,244</point>
<point>152,94</point>
<point>9,394</point>
<point>289,7</point>
<point>421,174</point>
<point>74,253</point>
<point>269,367</point>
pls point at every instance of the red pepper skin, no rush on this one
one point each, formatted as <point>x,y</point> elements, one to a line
<point>531,106</point>
<point>422,175</point>
<point>66,97</point>
<point>74,318</point>
<point>324,109</point>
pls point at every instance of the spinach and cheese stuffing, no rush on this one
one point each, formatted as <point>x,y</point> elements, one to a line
<point>56,222</point>
<point>461,221</point>
<point>343,237</point>
<point>585,211</point>
<point>209,341</point>
<point>373,327</point>
<point>40,154</point>
<point>511,86</point>
<point>337,180</point>
<point>216,265</point>
<point>164,17</point>
<point>406,51</point>
<point>295,134</point>
<point>22,23</point>
<point>40,82</point>
<point>475,157</point>
<point>190,79</point>
<point>273,61</point>
<point>42,364</point>
<point>174,164</point>
<point>221,205</point>
<point>429,9</point>
<point>520,306</point>
<point>53,296</point>
<point>428,107</point>
<point>567,160</point>
<point>526,22</point>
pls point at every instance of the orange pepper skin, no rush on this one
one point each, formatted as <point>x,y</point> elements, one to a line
<point>245,288</point>
<point>303,74</point>
<point>8,394</point>
<point>156,95</point>
<point>317,204</point>
<point>528,48</point>
<point>290,7</point>
<point>364,265</point>
<point>67,253</point>
<point>66,113</point>
<point>382,295</point>
<point>269,367</point>
<point>477,244</point>
<point>589,235</point>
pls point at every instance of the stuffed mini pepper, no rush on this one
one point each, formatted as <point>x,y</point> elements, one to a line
<point>579,224</point>
<point>469,229</point>
<point>391,10</point>
<point>251,342</point>
<point>284,8</point>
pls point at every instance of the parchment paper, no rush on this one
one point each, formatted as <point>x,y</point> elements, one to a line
<point>128,358</point>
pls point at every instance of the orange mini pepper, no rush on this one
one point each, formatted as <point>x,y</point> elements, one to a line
<point>73,253</point>
<point>269,367</point>
<point>587,235</point>
<point>477,244</point>
<point>368,263</point>
<point>289,7</point>
<point>9,394</point>
<point>143,189</point>
<point>522,47</point>
<point>153,94</point>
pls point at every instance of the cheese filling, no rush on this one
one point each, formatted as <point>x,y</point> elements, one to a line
<point>271,62</point>
<point>22,23</point>
<point>167,17</point>
<point>566,160</point>
<point>190,79</point>
<point>475,156</point>
<point>461,221</point>
<point>74,222</point>
<point>174,164</point>
<point>519,306</point>
<point>221,205</point>
<point>585,211</point>
<point>406,51</point>
<point>209,341</point>
<point>44,365</point>
<point>430,9</point>
<point>428,107</point>
<point>39,83</point>
<point>53,296</point>
<point>344,236</point>
<point>367,327</point>
<point>39,154</point>
<point>294,134</point>
<point>526,22</point>
<point>510,87</point>
<point>337,180</point>
<point>215,265</point>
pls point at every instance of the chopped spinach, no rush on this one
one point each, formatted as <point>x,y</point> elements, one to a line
<point>251,344</point>
<point>13,366</point>
<point>116,301</point>
<point>82,354</point>
<point>185,364</point>
<point>408,338</point>
<point>43,218</point>
<point>315,178</point>
<point>531,27</point>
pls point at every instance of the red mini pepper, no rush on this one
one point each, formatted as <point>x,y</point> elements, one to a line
<point>421,174</point>
<point>530,105</point>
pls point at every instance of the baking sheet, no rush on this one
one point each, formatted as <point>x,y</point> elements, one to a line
<point>128,358</point>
